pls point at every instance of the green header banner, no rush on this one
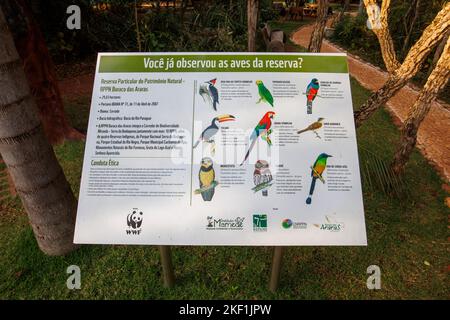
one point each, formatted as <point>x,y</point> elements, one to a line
<point>222,63</point>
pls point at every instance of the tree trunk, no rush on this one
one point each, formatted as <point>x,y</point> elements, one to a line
<point>40,72</point>
<point>136,22</point>
<point>341,13</point>
<point>39,179</point>
<point>438,53</point>
<point>315,43</point>
<point>412,64</point>
<point>361,7</point>
<point>184,4</point>
<point>381,29</point>
<point>409,27</point>
<point>252,21</point>
<point>435,83</point>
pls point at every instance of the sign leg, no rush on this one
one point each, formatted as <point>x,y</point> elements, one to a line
<point>276,268</point>
<point>166,262</point>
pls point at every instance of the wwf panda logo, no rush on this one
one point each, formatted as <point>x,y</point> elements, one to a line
<point>134,219</point>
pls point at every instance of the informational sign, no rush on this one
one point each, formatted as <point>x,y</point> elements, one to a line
<point>221,149</point>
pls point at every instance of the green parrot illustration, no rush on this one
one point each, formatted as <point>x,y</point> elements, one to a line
<point>264,93</point>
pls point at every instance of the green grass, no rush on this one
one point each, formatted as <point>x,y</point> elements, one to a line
<point>402,235</point>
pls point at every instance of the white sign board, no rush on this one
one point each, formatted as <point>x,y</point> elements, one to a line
<point>221,149</point>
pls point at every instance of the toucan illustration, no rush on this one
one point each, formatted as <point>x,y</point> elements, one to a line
<point>209,133</point>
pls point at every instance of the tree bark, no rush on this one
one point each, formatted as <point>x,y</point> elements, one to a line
<point>341,13</point>
<point>38,178</point>
<point>381,30</point>
<point>252,21</point>
<point>435,83</point>
<point>409,27</point>
<point>40,72</point>
<point>412,64</point>
<point>184,4</point>
<point>438,53</point>
<point>315,42</point>
<point>361,7</point>
<point>136,22</point>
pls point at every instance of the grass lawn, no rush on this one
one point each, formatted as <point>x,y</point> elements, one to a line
<point>407,238</point>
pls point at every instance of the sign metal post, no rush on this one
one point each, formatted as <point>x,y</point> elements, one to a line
<point>276,268</point>
<point>166,262</point>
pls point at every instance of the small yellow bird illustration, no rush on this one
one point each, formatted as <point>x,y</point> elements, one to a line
<point>206,176</point>
<point>313,127</point>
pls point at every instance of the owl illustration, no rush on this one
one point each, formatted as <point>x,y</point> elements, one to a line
<point>262,177</point>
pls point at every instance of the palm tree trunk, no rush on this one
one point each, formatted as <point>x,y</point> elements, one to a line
<point>38,178</point>
<point>40,72</point>
<point>410,66</point>
<point>435,83</point>
<point>315,43</point>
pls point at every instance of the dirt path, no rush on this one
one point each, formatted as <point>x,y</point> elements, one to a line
<point>434,133</point>
<point>74,87</point>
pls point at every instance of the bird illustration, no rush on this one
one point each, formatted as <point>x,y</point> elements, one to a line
<point>206,176</point>
<point>262,177</point>
<point>209,133</point>
<point>317,170</point>
<point>264,93</point>
<point>209,93</point>
<point>204,92</point>
<point>311,92</point>
<point>263,129</point>
<point>313,127</point>
<point>214,93</point>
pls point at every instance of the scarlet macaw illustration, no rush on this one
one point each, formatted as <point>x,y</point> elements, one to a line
<point>263,129</point>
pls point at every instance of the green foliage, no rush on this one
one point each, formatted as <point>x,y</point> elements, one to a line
<point>213,28</point>
<point>353,34</point>
<point>210,26</point>
<point>377,175</point>
<point>101,30</point>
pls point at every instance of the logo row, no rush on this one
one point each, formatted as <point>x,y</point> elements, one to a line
<point>260,223</point>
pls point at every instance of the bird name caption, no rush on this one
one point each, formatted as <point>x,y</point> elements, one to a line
<point>248,310</point>
<point>250,63</point>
